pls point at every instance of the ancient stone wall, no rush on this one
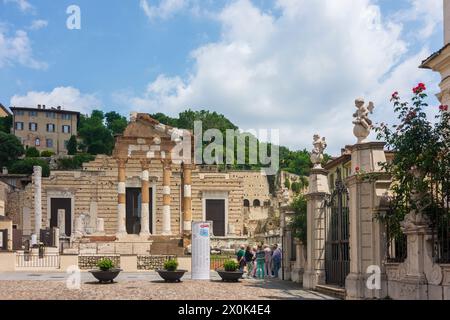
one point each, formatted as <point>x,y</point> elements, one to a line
<point>203,183</point>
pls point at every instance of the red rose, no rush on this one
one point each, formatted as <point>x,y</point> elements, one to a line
<point>443,107</point>
<point>357,169</point>
<point>419,89</point>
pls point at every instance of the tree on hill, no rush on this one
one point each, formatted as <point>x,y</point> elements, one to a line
<point>115,122</point>
<point>10,149</point>
<point>6,124</point>
<point>97,138</point>
<point>32,152</point>
<point>72,145</point>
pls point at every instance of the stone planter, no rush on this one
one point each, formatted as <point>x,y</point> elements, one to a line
<point>171,276</point>
<point>105,276</point>
<point>230,276</point>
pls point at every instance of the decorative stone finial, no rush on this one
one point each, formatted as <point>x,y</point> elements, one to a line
<point>363,125</point>
<point>133,116</point>
<point>317,153</point>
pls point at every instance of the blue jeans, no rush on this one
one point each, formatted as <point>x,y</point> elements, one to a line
<point>276,267</point>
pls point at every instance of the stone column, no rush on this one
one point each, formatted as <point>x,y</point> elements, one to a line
<point>167,172</point>
<point>100,227</point>
<point>315,261</point>
<point>297,272</point>
<point>187,199</point>
<point>56,236</point>
<point>62,222</point>
<point>145,203</point>
<point>121,191</point>
<point>367,184</point>
<point>37,170</point>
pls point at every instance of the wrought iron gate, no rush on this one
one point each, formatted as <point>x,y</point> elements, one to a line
<point>337,251</point>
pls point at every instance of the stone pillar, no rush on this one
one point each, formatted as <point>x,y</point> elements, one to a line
<point>315,257</point>
<point>37,170</point>
<point>187,199</point>
<point>100,226</point>
<point>419,262</point>
<point>121,191</point>
<point>167,172</point>
<point>145,204</point>
<point>62,222</point>
<point>297,271</point>
<point>56,236</point>
<point>367,185</point>
<point>446,22</point>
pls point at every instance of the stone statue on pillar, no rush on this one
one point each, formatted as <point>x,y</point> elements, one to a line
<point>363,125</point>
<point>317,153</point>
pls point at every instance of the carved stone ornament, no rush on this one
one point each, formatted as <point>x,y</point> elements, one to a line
<point>317,153</point>
<point>363,125</point>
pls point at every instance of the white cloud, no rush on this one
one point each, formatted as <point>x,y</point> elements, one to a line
<point>23,5</point>
<point>67,97</point>
<point>428,13</point>
<point>165,9</point>
<point>38,24</point>
<point>16,49</point>
<point>299,70</point>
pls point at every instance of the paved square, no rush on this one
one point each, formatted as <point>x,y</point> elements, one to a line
<point>147,286</point>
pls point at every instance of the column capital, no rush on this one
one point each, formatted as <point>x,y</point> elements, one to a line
<point>167,164</point>
<point>188,166</point>
<point>122,162</point>
<point>145,164</point>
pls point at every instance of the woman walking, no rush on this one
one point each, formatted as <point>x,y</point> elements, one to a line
<point>260,258</point>
<point>249,260</point>
<point>267,261</point>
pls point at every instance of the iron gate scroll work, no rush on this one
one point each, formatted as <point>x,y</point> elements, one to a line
<point>337,249</point>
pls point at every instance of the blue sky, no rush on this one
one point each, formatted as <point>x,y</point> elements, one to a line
<point>294,65</point>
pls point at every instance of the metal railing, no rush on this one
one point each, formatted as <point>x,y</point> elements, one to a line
<point>216,262</point>
<point>34,260</point>
<point>441,219</point>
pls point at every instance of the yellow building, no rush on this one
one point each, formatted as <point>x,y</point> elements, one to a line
<point>45,128</point>
<point>4,112</point>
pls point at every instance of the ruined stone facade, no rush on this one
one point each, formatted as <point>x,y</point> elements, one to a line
<point>107,200</point>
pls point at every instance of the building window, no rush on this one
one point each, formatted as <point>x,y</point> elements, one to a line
<point>49,143</point>
<point>246,203</point>
<point>66,129</point>
<point>66,116</point>
<point>51,115</point>
<point>32,113</point>
<point>32,126</point>
<point>19,113</point>
<point>50,127</point>
<point>19,125</point>
<point>37,142</point>
<point>256,203</point>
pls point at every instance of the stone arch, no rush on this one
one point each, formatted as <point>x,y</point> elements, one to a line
<point>246,203</point>
<point>256,203</point>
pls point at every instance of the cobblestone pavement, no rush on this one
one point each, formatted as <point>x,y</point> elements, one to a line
<point>146,286</point>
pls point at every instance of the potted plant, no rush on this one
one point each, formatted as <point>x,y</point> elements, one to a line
<point>106,271</point>
<point>230,271</point>
<point>170,273</point>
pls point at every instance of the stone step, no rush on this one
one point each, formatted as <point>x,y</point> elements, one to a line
<point>330,290</point>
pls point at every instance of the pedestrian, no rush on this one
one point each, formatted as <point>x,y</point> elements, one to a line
<point>241,258</point>
<point>267,261</point>
<point>276,259</point>
<point>249,260</point>
<point>254,250</point>
<point>260,258</point>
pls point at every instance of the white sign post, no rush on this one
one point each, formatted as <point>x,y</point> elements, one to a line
<point>201,233</point>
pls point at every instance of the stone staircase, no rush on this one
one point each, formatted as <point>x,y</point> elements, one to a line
<point>330,290</point>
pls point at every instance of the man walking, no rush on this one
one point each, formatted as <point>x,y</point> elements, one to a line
<point>276,259</point>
